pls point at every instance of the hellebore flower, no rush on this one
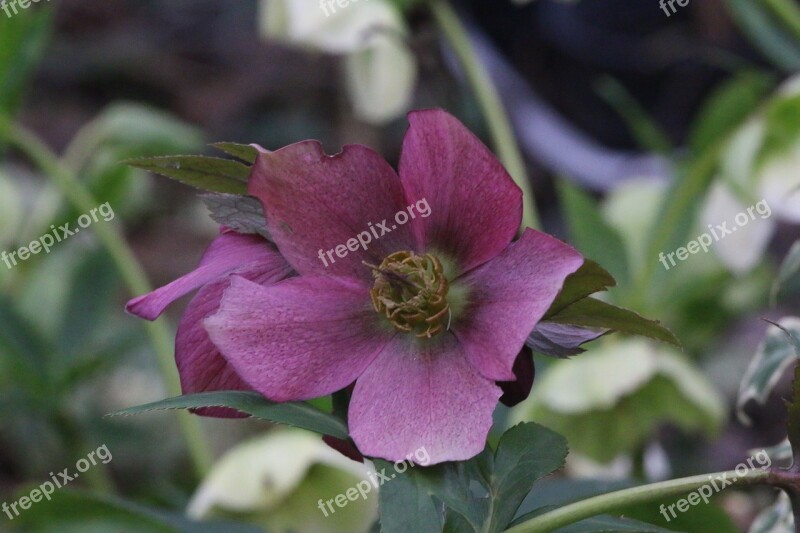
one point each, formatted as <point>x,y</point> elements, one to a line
<point>199,362</point>
<point>425,319</point>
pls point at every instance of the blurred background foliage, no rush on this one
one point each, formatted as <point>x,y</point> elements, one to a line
<point>613,103</point>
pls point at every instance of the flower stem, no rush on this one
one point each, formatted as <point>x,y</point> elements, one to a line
<point>126,263</point>
<point>496,118</point>
<point>604,503</point>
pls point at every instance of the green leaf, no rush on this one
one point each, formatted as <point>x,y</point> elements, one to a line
<point>23,39</point>
<point>526,453</point>
<point>297,414</point>
<point>130,130</point>
<point>789,273</point>
<point>782,128</point>
<point>644,129</point>
<point>244,214</point>
<point>587,280</point>
<point>774,355</point>
<point>245,152</point>
<point>208,173</point>
<point>793,414</point>
<point>727,108</point>
<point>406,503</point>
<point>481,494</point>
<point>74,511</point>
<point>593,313</point>
<point>756,23</point>
<point>612,524</point>
<point>590,233</point>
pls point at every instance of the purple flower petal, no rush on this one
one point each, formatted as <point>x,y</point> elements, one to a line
<point>229,251</point>
<point>508,296</point>
<point>200,364</point>
<point>315,203</point>
<point>301,338</point>
<point>476,208</point>
<point>422,395</point>
<point>561,340</point>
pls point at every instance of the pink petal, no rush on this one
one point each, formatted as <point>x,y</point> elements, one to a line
<point>315,203</point>
<point>230,250</point>
<point>476,208</point>
<point>508,296</point>
<point>422,395</point>
<point>300,338</point>
<point>200,364</point>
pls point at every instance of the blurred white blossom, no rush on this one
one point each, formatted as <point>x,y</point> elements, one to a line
<point>758,164</point>
<point>380,70</point>
<point>277,480</point>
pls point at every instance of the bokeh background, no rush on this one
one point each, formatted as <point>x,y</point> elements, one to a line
<point>610,100</point>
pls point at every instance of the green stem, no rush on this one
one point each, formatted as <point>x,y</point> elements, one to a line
<point>128,266</point>
<point>497,121</point>
<point>574,512</point>
<point>788,12</point>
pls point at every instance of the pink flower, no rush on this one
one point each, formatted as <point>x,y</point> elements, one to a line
<point>426,320</point>
<point>200,364</point>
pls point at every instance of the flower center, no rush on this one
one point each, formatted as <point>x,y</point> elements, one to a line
<point>411,290</point>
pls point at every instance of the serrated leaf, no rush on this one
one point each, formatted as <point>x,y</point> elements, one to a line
<point>525,454</point>
<point>297,414</point>
<point>587,280</point>
<point>208,173</point>
<point>245,152</point>
<point>590,233</point>
<point>244,214</point>
<point>593,313</point>
<point>481,494</point>
<point>406,503</point>
<point>789,273</point>
<point>773,356</point>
